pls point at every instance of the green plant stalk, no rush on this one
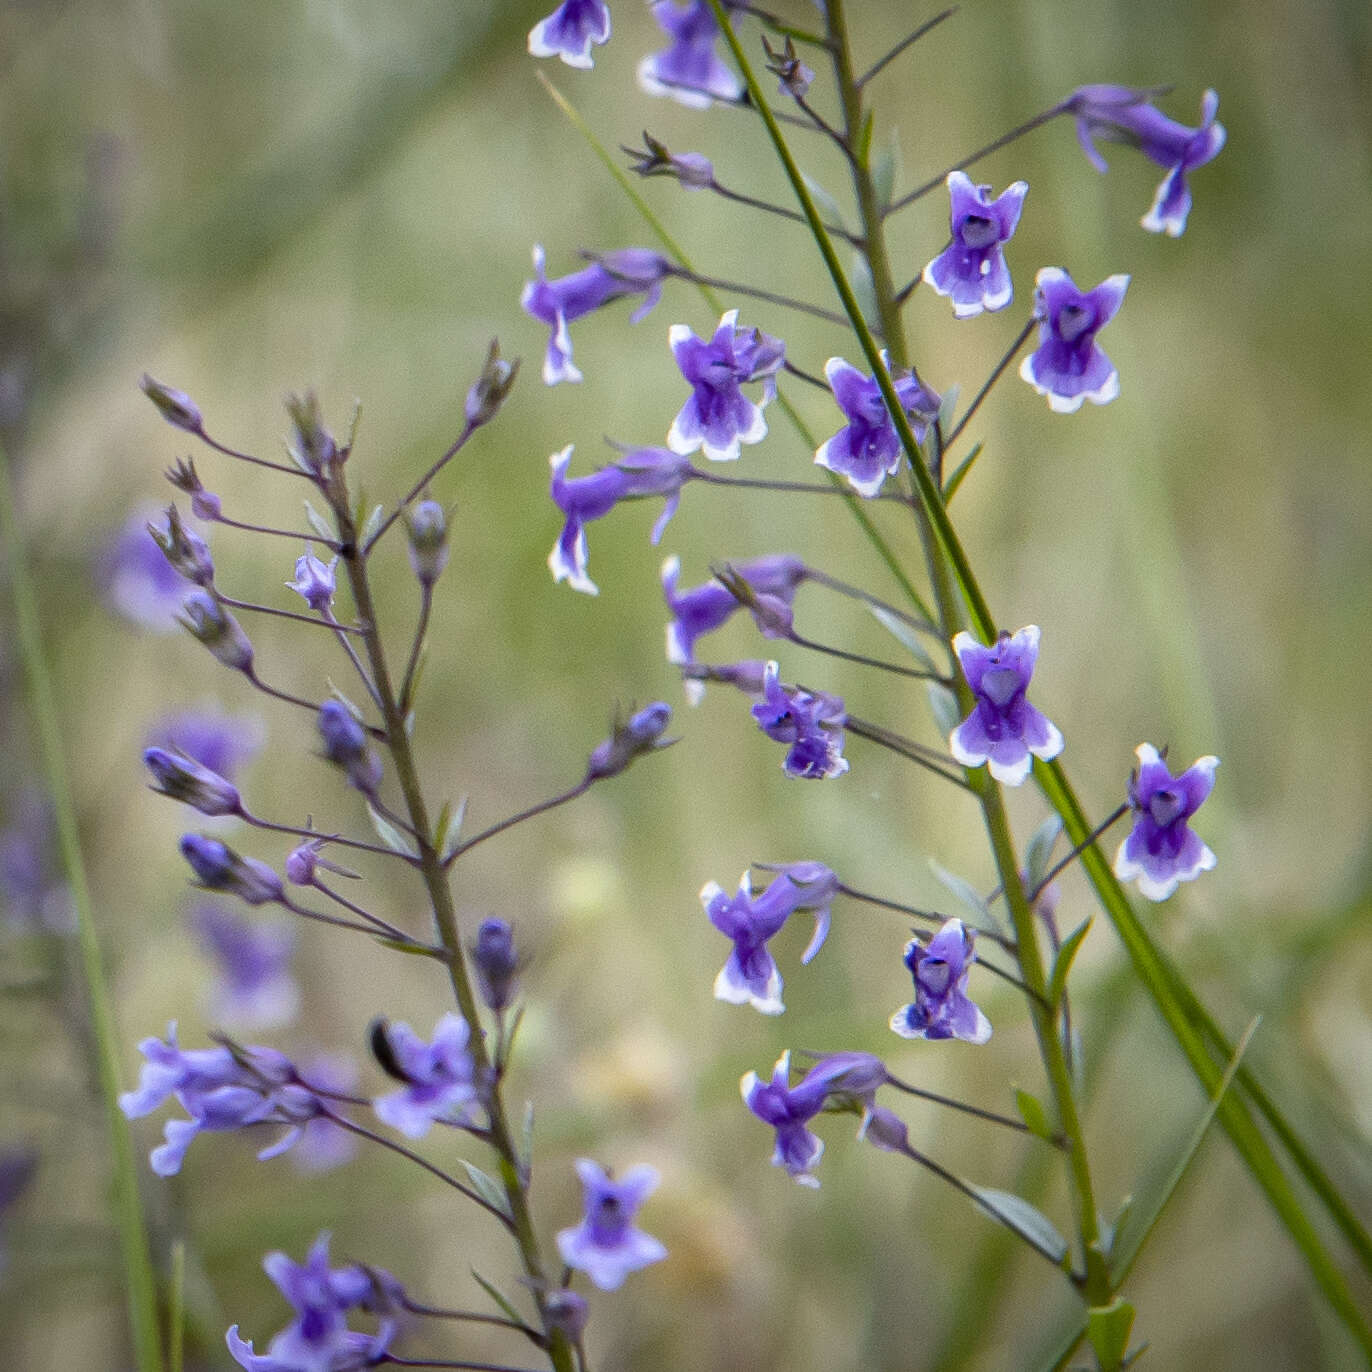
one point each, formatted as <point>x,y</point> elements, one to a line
<point>439,892</point>
<point>140,1280</point>
<point>1238,1123</point>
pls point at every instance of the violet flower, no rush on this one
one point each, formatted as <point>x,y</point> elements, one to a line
<point>570,30</point>
<point>346,746</point>
<point>314,581</point>
<point>971,270</point>
<point>1003,729</point>
<point>717,417</point>
<point>632,271</point>
<point>632,738</point>
<point>788,1110</point>
<point>439,1076</point>
<point>867,449</point>
<point>1161,851</point>
<point>1067,366</point>
<point>704,608</point>
<point>253,986</point>
<point>638,473</point>
<point>1124,115</point>
<point>606,1245</point>
<point>324,1144</point>
<point>689,70</point>
<point>810,722</point>
<point>941,1009</point>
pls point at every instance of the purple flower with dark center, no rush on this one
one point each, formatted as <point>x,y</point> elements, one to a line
<point>570,30</point>
<point>788,1110</point>
<point>637,474</point>
<point>314,581</point>
<point>941,1009</point>
<point>136,580</point>
<point>221,742</point>
<point>221,1089</point>
<point>439,1076</point>
<point>606,1245</point>
<point>218,868</point>
<point>1161,851</point>
<point>689,70</point>
<point>1003,729</point>
<point>1120,114</point>
<point>971,270</point>
<point>717,417</point>
<point>704,608</point>
<point>253,986</point>
<point>867,449</point>
<point>810,722</point>
<point>632,271</point>
<point>750,976</point>
<point>1067,366</point>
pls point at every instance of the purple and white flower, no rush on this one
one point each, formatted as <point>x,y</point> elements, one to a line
<point>1120,114</point>
<point>867,449</point>
<point>717,417</point>
<point>314,581</point>
<point>941,1009</point>
<point>705,608</point>
<point>439,1077</point>
<point>1003,730</point>
<point>689,70</point>
<point>570,30</point>
<point>788,1110</point>
<point>253,985</point>
<point>606,1245</point>
<point>1067,366</point>
<point>1161,851</point>
<point>638,473</point>
<point>971,270</point>
<point>811,722</point>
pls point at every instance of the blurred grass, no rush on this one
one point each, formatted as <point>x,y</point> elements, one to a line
<point>249,199</point>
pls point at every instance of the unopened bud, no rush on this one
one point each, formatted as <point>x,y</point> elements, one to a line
<point>187,552</point>
<point>693,170</point>
<point>567,1312</point>
<point>218,868</point>
<point>184,779</point>
<point>346,746</point>
<point>640,733</point>
<point>793,76</point>
<point>315,449</point>
<point>490,389</point>
<point>204,504</point>
<point>218,630</point>
<point>176,406</point>
<point>428,530</point>
<point>885,1129</point>
<point>496,961</point>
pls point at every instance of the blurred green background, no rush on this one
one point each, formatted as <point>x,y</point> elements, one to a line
<point>252,198</point>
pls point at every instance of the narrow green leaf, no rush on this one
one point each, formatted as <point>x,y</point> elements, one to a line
<point>505,1307</point>
<point>1033,1114</point>
<point>1108,1327</point>
<point>904,633</point>
<point>372,525</point>
<point>961,888</point>
<point>450,834</point>
<point>392,837</point>
<point>1038,852</point>
<point>863,147</point>
<point>319,524</point>
<point>886,170</point>
<point>487,1187</point>
<point>864,288</point>
<point>950,487</point>
<point>526,1141</point>
<point>947,407</point>
<point>1062,964</point>
<point>829,207</point>
<point>1026,1220</point>
<point>943,705</point>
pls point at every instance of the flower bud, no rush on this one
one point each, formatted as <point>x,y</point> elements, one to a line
<point>567,1312</point>
<point>184,779</point>
<point>204,504</point>
<point>640,733</point>
<point>428,530</point>
<point>314,581</point>
<point>218,868</point>
<point>693,170</point>
<point>184,549</point>
<point>176,406</point>
<point>490,389</point>
<point>885,1129</point>
<point>346,746</point>
<point>218,630</point>
<point>315,449</point>
<point>793,76</point>
<point>496,962</point>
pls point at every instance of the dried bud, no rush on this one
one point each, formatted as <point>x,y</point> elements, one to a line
<point>218,630</point>
<point>428,530</point>
<point>184,548</point>
<point>640,733</point>
<point>184,779</point>
<point>693,170</point>
<point>497,962</point>
<point>346,746</point>
<point>218,868</point>
<point>314,450</point>
<point>490,389</point>
<point>302,860</point>
<point>793,76</point>
<point>204,504</point>
<point>176,406</point>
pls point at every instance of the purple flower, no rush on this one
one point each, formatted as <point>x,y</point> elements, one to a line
<point>1161,851</point>
<point>867,449</point>
<point>971,269</point>
<point>1067,366</point>
<point>704,608</point>
<point>318,1339</point>
<point>689,70</point>
<point>638,473</point>
<point>218,868</point>
<point>941,1009</point>
<point>632,271</point>
<point>750,976</point>
<point>717,417</point>
<point>220,1089</point>
<point>323,1144</point>
<point>253,988</point>
<point>1003,728</point>
<point>570,30</point>
<point>606,1245</point>
<point>185,780</point>
<point>439,1076</point>
<point>811,722</point>
<point>221,742</point>
<point>136,580</point>
<point>1122,115</point>
<point>314,581</point>
<point>788,1110</point>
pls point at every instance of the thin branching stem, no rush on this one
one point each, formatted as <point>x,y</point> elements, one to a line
<point>1077,850</point>
<point>310,705</point>
<point>248,457</point>
<point>928,758</point>
<point>389,930</point>
<point>997,372</point>
<point>951,1104</point>
<point>451,452</point>
<point>933,916</point>
<point>780,211</point>
<point>758,483</point>
<point>277,533</point>
<point>426,600</point>
<point>371,929</point>
<point>863,660</point>
<point>911,38</point>
<point>254,608</point>
<point>542,807</point>
<point>757,293</point>
<point>436,1312</point>
<point>258,823</point>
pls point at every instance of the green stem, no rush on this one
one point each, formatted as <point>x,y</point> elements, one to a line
<point>140,1280</point>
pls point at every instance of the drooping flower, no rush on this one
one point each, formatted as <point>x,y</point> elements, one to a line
<point>632,271</point>
<point>1120,114</point>
<point>971,270</point>
<point>811,722</point>
<point>253,986</point>
<point>941,1009</point>
<point>1161,851</point>
<point>606,1245</point>
<point>689,70</point>
<point>788,1110</point>
<point>638,473</point>
<point>1003,730</point>
<point>570,30</point>
<point>704,608</point>
<point>751,976</point>
<point>439,1076</point>
<point>717,417</point>
<point>867,449</point>
<point>314,581</point>
<point>1067,366</point>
